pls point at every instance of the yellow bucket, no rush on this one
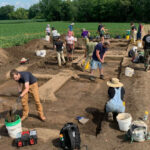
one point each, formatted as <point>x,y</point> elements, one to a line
<point>127,37</point>
<point>87,65</point>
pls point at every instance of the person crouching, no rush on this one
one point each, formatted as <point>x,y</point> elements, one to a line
<point>116,93</point>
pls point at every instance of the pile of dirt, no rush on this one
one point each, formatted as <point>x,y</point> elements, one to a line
<point>28,50</point>
<point>3,57</point>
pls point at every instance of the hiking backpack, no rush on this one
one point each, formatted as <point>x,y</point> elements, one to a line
<point>70,137</point>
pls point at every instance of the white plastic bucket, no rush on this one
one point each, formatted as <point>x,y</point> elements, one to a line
<point>134,48</point>
<point>129,72</point>
<point>14,128</point>
<point>139,43</point>
<point>47,38</point>
<point>124,121</point>
<point>42,53</point>
<point>38,53</point>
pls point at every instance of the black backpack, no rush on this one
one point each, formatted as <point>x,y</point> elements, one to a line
<point>70,137</point>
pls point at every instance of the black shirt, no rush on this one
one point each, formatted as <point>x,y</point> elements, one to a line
<point>111,92</point>
<point>59,45</point>
<point>146,39</point>
<point>100,27</point>
<point>133,27</point>
<point>27,77</point>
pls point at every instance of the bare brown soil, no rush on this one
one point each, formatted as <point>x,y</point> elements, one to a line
<point>78,97</point>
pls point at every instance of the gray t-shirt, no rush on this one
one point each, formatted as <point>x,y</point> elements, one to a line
<point>27,77</point>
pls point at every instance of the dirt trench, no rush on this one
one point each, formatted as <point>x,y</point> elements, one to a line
<point>81,97</point>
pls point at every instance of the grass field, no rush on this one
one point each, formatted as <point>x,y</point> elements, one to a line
<point>19,32</point>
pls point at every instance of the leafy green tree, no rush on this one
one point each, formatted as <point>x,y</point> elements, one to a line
<point>35,12</point>
<point>4,12</point>
<point>51,9</point>
<point>66,11</point>
<point>20,13</point>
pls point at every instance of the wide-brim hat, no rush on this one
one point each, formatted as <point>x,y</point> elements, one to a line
<point>114,82</point>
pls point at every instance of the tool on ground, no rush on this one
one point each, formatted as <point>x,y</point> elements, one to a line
<point>145,116</point>
<point>82,120</point>
<point>24,61</point>
<point>26,138</point>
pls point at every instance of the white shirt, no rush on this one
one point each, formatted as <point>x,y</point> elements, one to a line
<point>54,32</point>
<point>70,40</point>
<point>48,30</point>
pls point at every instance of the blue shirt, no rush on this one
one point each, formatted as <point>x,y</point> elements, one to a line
<point>70,28</point>
<point>101,50</point>
<point>27,77</point>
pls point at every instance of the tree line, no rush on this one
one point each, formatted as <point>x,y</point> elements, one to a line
<point>82,11</point>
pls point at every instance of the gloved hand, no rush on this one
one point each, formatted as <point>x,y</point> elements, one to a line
<point>19,99</point>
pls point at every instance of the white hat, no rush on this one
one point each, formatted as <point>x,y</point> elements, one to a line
<point>114,82</point>
<point>72,24</point>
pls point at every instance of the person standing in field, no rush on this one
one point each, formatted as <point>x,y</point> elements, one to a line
<point>60,54</point>
<point>70,43</point>
<point>98,56</point>
<point>55,35</point>
<point>90,46</point>
<point>71,29</point>
<point>133,32</point>
<point>139,33</point>
<point>27,83</point>
<point>146,45</point>
<point>99,28</point>
<point>48,30</point>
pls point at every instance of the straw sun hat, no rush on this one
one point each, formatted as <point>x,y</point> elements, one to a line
<point>114,82</point>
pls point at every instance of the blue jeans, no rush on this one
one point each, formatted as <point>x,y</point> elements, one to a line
<point>95,64</point>
<point>111,107</point>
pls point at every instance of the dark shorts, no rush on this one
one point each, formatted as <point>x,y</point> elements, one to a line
<point>69,48</point>
<point>48,34</point>
<point>101,35</point>
<point>55,39</point>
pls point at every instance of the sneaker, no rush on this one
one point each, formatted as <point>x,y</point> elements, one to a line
<point>92,78</point>
<point>110,116</point>
<point>146,68</point>
<point>102,77</point>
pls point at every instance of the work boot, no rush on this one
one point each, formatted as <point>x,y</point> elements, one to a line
<point>43,118</point>
<point>146,68</point>
<point>23,118</point>
<point>102,76</point>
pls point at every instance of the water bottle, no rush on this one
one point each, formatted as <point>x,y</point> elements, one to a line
<point>61,137</point>
<point>145,116</point>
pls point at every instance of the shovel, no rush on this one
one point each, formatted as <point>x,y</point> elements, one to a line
<point>15,106</point>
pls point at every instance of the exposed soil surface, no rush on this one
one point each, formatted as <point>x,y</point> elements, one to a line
<point>78,97</point>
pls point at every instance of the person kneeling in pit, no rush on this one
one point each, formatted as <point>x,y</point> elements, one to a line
<point>116,94</point>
